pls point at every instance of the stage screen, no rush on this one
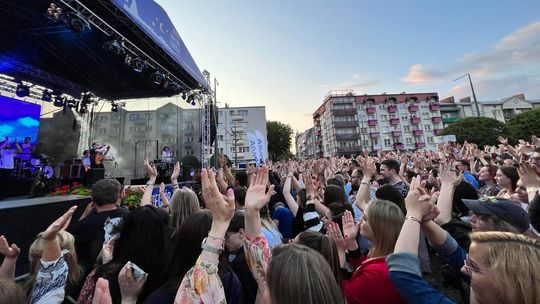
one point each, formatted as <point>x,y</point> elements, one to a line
<point>18,119</point>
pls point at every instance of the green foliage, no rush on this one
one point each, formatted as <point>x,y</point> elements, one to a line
<point>192,161</point>
<point>524,125</point>
<point>279,140</point>
<point>132,198</point>
<point>479,130</point>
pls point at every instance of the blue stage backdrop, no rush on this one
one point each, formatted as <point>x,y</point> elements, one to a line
<point>18,119</point>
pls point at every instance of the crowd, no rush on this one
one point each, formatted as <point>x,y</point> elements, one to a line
<point>335,230</point>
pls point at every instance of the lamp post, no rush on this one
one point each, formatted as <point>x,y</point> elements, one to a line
<point>473,94</point>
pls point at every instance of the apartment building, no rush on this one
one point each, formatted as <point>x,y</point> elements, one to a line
<point>305,144</point>
<point>347,123</point>
<point>502,110</point>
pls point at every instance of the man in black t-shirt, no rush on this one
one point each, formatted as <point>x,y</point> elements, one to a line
<point>89,231</point>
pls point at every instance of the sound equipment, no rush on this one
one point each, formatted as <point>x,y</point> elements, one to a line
<point>71,171</point>
<point>95,174</point>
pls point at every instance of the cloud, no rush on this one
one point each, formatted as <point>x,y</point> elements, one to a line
<point>5,130</point>
<point>355,82</point>
<point>420,74</point>
<point>511,63</point>
<point>28,122</point>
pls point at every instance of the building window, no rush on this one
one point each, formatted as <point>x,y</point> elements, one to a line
<point>387,142</point>
<point>425,114</point>
<point>221,149</point>
<point>375,141</point>
<point>408,140</point>
<point>428,127</point>
<point>232,149</point>
<point>220,137</point>
<point>430,139</point>
<point>404,117</point>
<point>384,117</point>
<point>407,128</point>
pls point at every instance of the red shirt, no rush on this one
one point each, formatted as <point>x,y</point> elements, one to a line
<point>370,284</point>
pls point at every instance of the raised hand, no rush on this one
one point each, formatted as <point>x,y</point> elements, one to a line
<point>60,224</point>
<point>102,294</point>
<point>503,141</point>
<point>222,209</point>
<point>150,170</point>
<point>528,175</point>
<point>130,288</point>
<point>176,173</point>
<point>333,231</point>
<point>350,229</point>
<point>369,169</point>
<point>9,252</point>
<point>257,196</point>
<point>417,200</point>
<point>447,174</point>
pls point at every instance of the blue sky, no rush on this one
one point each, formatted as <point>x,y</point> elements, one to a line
<point>287,55</point>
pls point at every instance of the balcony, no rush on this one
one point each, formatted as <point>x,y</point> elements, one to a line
<point>436,119</point>
<point>415,120</point>
<point>345,124</point>
<point>347,136</point>
<point>342,112</point>
<point>394,121</point>
<point>237,117</point>
<point>437,131</point>
<point>354,149</point>
<point>374,134</point>
<point>392,109</point>
<point>418,132</point>
<point>396,133</point>
<point>398,146</point>
<point>434,107</point>
<point>372,122</point>
<point>413,108</point>
<point>419,145</point>
<point>370,110</point>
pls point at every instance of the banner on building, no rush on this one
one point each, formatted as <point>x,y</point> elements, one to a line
<point>253,146</point>
<point>261,144</point>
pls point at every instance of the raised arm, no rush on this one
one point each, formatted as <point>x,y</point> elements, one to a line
<point>10,253</point>
<point>226,170</point>
<point>449,181</point>
<point>368,169</point>
<point>293,205</point>
<point>152,176</point>
<point>174,177</point>
<point>202,284</point>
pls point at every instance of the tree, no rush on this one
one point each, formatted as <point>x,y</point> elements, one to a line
<point>279,140</point>
<point>524,125</point>
<point>192,161</point>
<point>479,130</point>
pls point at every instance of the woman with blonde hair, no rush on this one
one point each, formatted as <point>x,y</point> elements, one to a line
<point>503,267</point>
<point>67,245</point>
<point>183,203</point>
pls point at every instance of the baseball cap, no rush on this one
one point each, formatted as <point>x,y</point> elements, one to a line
<point>504,209</point>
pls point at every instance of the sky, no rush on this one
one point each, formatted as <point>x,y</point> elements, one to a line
<point>287,55</point>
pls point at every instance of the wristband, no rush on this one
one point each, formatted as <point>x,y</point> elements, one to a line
<point>175,186</point>
<point>412,218</point>
<point>216,238</point>
<point>148,183</point>
<point>211,249</point>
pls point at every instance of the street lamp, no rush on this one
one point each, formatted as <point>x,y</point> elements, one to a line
<point>473,94</point>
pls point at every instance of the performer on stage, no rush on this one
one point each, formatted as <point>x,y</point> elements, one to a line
<point>87,162</point>
<point>167,154</point>
<point>97,155</point>
<point>7,153</point>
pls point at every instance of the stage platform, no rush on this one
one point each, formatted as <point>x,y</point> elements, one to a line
<point>21,219</point>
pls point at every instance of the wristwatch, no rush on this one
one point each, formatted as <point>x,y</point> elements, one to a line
<point>211,249</point>
<point>148,183</point>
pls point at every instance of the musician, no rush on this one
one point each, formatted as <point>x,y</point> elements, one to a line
<point>26,149</point>
<point>167,154</point>
<point>97,154</point>
<point>8,151</point>
<point>86,159</point>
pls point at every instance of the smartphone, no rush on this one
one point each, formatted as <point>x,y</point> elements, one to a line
<point>138,273</point>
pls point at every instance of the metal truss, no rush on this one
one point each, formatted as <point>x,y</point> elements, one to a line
<point>206,105</point>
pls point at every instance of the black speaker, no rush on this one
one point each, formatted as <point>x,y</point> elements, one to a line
<point>76,171</point>
<point>94,175</point>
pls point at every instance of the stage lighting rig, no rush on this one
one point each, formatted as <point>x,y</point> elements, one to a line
<point>46,96</point>
<point>116,105</point>
<point>59,101</point>
<point>22,90</point>
<point>76,22</point>
<point>115,47</point>
<point>136,63</point>
<point>158,78</point>
<point>55,12</point>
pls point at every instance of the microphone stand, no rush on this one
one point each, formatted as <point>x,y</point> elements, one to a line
<point>115,166</point>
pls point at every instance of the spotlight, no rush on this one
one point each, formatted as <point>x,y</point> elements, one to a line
<point>114,107</point>
<point>59,102</point>
<point>46,96</point>
<point>158,78</point>
<point>115,46</point>
<point>184,96</point>
<point>55,12</point>
<point>173,86</point>
<point>76,22</point>
<point>137,64</point>
<point>193,102</point>
<point>71,103</point>
<point>22,90</point>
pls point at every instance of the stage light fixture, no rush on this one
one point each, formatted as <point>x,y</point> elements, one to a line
<point>59,102</point>
<point>115,46</point>
<point>55,12</point>
<point>114,107</point>
<point>22,90</point>
<point>184,96</point>
<point>193,102</point>
<point>173,86</point>
<point>137,64</point>
<point>158,78</point>
<point>76,22</point>
<point>46,96</point>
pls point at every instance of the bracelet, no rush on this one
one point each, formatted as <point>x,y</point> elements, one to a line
<point>211,249</point>
<point>364,182</point>
<point>216,238</point>
<point>412,218</point>
<point>175,186</point>
<point>149,183</point>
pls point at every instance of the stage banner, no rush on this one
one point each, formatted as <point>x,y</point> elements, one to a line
<point>253,146</point>
<point>155,22</point>
<point>261,144</point>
